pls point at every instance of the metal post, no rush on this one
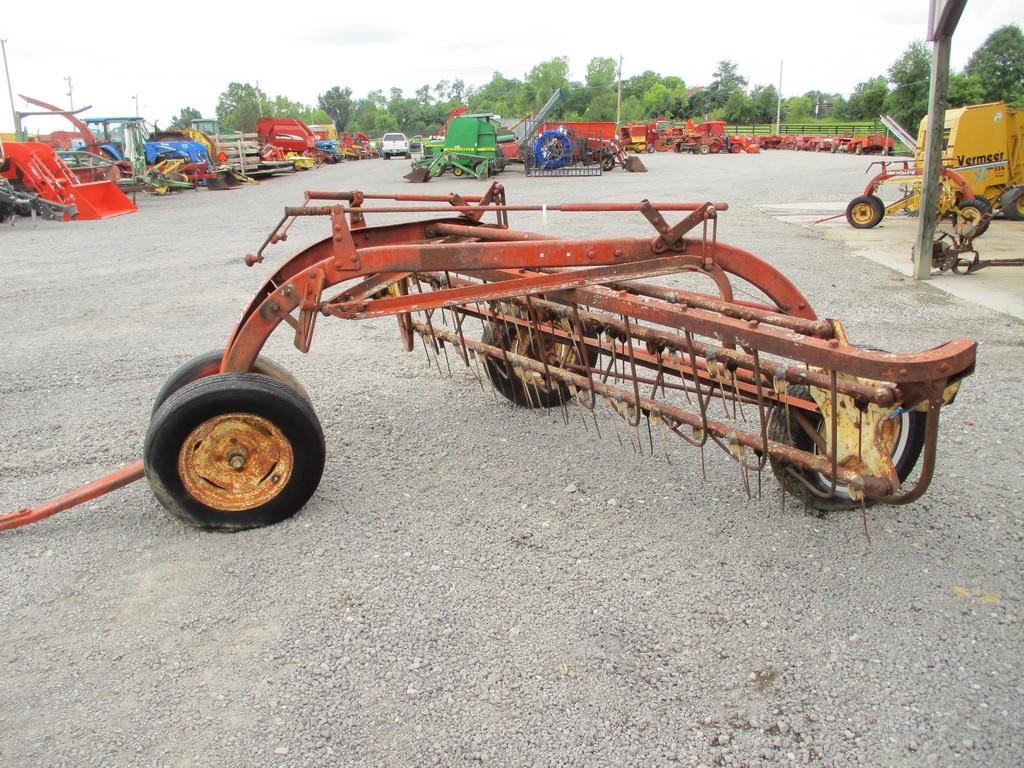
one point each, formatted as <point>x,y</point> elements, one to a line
<point>942,20</point>
<point>618,98</point>
<point>10,93</point>
<point>778,111</point>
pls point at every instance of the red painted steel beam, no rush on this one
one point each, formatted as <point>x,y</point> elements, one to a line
<point>88,492</point>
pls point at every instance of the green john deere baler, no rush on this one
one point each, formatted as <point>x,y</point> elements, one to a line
<point>471,146</point>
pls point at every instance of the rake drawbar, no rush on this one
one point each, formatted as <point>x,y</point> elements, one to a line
<point>546,322</point>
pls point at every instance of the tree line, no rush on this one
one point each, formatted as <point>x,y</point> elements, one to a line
<point>995,71</point>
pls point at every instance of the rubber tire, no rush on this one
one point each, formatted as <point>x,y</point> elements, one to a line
<point>877,208</point>
<point>227,393</point>
<point>386,156</point>
<point>777,432</point>
<point>1012,202</point>
<point>983,206</point>
<point>514,389</point>
<point>650,149</point>
<point>208,364</point>
<point>704,149</point>
<point>607,163</point>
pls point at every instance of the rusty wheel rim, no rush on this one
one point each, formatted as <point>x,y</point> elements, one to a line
<point>862,213</point>
<point>235,462</point>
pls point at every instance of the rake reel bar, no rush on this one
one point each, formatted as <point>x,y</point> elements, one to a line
<point>548,323</point>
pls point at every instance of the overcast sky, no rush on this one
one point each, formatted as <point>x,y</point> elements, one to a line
<point>173,56</point>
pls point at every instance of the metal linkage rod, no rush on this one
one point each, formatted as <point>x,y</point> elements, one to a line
<point>327,210</point>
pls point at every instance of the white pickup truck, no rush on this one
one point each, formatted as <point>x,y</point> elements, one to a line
<point>394,144</point>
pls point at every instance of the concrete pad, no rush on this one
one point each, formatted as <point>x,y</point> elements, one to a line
<point>891,244</point>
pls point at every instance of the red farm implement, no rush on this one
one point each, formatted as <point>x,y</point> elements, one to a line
<point>596,142</point>
<point>555,323</point>
<point>710,138</point>
<point>36,168</point>
<point>639,137</point>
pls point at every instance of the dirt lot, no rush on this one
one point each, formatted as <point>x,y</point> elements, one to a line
<point>474,583</point>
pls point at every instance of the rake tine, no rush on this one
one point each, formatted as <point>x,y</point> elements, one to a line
<point>615,421</point>
<point>736,398</point>
<point>542,346</point>
<point>423,339</point>
<point>660,378</point>
<point>650,435</point>
<point>686,391</point>
<point>503,339</point>
<point>584,358</point>
<point>664,440</point>
<point>448,365</point>
<point>763,416</point>
<point>574,393</point>
<point>864,518</point>
<point>481,376</point>
<point>632,368</point>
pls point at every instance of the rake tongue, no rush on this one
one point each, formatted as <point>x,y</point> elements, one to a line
<point>418,175</point>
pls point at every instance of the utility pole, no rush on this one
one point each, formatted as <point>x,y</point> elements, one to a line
<point>618,98</point>
<point>943,17</point>
<point>778,110</point>
<point>10,93</point>
<point>71,99</point>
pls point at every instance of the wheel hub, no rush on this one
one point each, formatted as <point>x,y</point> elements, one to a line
<point>235,461</point>
<point>862,213</point>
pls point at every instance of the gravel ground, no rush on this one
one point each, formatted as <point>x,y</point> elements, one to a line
<point>474,583</point>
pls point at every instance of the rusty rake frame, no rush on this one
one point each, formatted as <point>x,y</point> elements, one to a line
<point>582,295</point>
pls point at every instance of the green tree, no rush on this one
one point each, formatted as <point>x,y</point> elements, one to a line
<point>597,101</point>
<point>337,103</point>
<point>999,64</point>
<point>726,82</point>
<point>965,89</point>
<point>497,96</point>
<point>764,103</point>
<point>910,75</point>
<point>867,101</point>
<point>184,118</point>
<point>540,83</point>
<point>737,108</point>
<point>798,108</point>
<point>665,99</point>
<point>241,105</point>
<point>364,113</point>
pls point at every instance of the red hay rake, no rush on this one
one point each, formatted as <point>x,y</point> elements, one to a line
<point>234,442</point>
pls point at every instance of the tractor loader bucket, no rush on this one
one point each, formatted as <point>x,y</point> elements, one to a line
<point>419,175</point>
<point>634,164</point>
<point>223,180</point>
<point>101,200</point>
